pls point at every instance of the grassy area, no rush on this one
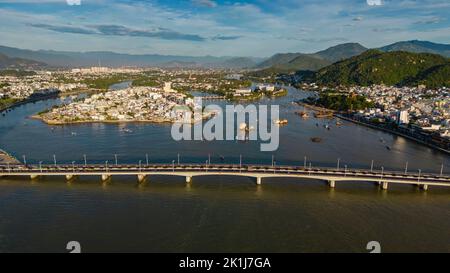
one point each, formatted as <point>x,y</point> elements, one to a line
<point>5,103</point>
<point>105,82</point>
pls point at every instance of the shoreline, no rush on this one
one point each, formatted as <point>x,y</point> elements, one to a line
<point>339,115</point>
<point>392,132</point>
<point>156,121</point>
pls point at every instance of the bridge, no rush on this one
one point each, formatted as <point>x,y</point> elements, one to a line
<point>258,172</point>
<point>212,97</point>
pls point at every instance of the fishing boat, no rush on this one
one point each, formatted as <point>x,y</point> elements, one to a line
<point>281,121</point>
<point>303,114</point>
<point>316,139</point>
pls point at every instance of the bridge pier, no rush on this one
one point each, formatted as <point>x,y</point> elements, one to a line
<point>141,177</point>
<point>258,180</point>
<point>424,187</point>
<point>188,179</point>
<point>70,177</point>
<point>34,176</point>
<point>384,185</point>
<point>105,177</point>
<point>332,184</point>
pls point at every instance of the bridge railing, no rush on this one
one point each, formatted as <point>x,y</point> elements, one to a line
<point>222,167</point>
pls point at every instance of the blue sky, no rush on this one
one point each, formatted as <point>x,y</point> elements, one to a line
<point>217,27</point>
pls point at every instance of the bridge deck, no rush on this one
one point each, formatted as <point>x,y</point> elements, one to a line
<point>256,171</point>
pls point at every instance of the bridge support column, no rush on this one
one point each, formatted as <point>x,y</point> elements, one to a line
<point>34,176</point>
<point>332,184</point>
<point>188,179</point>
<point>384,185</point>
<point>258,180</point>
<point>141,177</point>
<point>70,177</point>
<point>424,187</point>
<point>105,177</point>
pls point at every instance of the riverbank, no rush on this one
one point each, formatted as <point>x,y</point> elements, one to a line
<point>392,132</point>
<point>341,116</point>
<point>205,116</point>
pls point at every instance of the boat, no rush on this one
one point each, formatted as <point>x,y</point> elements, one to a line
<point>389,148</point>
<point>303,114</point>
<point>126,130</point>
<point>74,133</point>
<point>281,121</point>
<point>316,139</point>
<point>323,114</point>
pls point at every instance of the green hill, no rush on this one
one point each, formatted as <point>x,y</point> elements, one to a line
<point>434,77</point>
<point>291,62</point>
<point>390,68</point>
<point>416,46</point>
<point>341,52</point>
<point>302,62</point>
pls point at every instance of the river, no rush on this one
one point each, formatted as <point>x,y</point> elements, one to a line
<point>224,214</point>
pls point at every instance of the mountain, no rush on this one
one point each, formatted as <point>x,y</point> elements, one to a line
<point>341,52</point>
<point>303,62</point>
<point>290,62</point>
<point>240,62</point>
<point>18,63</point>
<point>84,59</point>
<point>390,68</point>
<point>419,47</point>
<point>278,59</point>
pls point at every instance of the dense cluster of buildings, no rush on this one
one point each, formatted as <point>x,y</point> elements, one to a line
<point>145,104</point>
<point>417,111</point>
<point>40,84</point>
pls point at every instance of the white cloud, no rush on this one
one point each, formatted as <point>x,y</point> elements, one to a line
<point>73,2</point>
<point>375,2</point>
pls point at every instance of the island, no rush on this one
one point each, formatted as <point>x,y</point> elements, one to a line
<point>134,104</point>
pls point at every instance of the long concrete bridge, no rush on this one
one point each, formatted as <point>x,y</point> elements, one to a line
<point>258,172</point>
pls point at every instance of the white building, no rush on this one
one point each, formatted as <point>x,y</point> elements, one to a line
<point>402,117</point>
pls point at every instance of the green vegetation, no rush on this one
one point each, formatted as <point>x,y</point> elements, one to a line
<point>16,73</point>
<point>105,82</point>
<point>340,102</point>
<point>391,68</point>
<point>5,103</point>
<point>144,81</point>
<point>434,77</point>
<point>147,79</point>
<point>4,84</point>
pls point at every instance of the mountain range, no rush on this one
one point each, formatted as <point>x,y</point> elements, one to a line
<point>18,63</point>
<point>68,59</point>
<point>278,63</point>
<point>290,62</point>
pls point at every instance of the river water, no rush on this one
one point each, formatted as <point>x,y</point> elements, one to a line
<point>222,214</point>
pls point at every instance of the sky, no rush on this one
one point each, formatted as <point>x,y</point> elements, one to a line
<point>258,28</point>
